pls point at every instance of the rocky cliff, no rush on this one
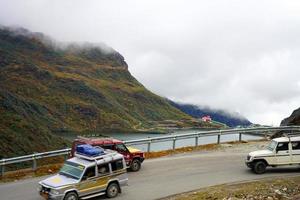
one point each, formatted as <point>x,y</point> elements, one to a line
<point>294,119</point>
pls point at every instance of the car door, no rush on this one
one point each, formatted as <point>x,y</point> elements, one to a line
<point>295,151</point>
<point>283,153</point>
<point>122,149</point>
<point>104,174</point>
<point>88,183</point>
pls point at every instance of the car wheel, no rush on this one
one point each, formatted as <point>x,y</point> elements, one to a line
<point>135,165</point>
<point>71,196</point>
<point>112,190</point>
<point>260,167</point>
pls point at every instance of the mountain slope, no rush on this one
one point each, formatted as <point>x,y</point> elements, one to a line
<point>47,90</point>
<point>217,115</point>
<point>293,119</point>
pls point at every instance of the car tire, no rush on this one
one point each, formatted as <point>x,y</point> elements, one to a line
<point>112,190</point>
<point>260,167</point>
<point>135,165</point>
<point>71,196</point>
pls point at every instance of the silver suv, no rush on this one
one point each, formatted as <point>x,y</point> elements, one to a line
<point>85,176</point>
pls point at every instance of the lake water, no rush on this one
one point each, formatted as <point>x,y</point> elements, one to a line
<point>158,146</point>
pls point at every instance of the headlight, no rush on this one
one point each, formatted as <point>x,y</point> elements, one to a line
<point>55,192</point>
<point>249,157</point>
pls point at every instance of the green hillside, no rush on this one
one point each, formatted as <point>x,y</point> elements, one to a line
<point>47,91</point>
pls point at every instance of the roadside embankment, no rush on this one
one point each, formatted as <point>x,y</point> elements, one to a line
<point>266,189</point>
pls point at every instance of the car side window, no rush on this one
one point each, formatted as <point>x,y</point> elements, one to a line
<point>121,147</point>
<point>103,169</point>
<point>282,146</point>
<point>89,173</point>
<point>117,165</point>
<point>108,146</point>
<point>296,145</point>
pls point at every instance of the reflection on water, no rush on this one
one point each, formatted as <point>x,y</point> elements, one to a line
<point>169,144</point>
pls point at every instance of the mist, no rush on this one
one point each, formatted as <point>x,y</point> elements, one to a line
<point>241,56</point>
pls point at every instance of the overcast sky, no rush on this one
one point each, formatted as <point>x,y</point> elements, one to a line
<point>237,55</point>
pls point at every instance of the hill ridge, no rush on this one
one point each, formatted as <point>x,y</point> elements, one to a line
<point>47,92</point>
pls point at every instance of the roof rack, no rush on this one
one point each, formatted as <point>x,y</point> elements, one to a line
<point>107,154</point>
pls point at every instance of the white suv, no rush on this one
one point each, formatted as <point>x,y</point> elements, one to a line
<point>280,151</point>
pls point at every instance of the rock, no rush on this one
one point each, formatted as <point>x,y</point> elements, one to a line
<point>278,194</point>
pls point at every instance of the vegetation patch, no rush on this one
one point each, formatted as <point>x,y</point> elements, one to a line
<point>30,173</point>
<point>157,154</point>
<point>266,189</point>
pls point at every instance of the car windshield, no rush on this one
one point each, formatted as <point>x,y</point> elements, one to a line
<point>272,145</point>
<point>72,170</point>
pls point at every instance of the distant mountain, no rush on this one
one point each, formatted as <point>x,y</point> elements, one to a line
<point>231,120</point>
<point>48,89</point>
<point>293,119</point>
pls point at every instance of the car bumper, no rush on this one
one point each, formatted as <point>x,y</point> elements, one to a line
<point>49,196</point>
<point>249,163</point>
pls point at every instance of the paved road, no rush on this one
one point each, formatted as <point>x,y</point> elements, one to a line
<point>166,176</point>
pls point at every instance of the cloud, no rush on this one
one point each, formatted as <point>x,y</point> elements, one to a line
<point>242,56</point>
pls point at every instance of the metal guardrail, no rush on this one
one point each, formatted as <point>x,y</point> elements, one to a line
<point>218,133</point>
<point>260,131</point>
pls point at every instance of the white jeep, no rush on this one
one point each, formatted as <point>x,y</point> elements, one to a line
<point>280,151</point>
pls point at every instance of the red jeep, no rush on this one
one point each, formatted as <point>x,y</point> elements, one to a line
<point>133,157</point>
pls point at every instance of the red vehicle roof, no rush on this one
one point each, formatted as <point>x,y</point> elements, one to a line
<point>98,141</point>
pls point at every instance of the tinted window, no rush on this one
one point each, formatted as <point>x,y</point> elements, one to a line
<point>117,165</point>
<point>121,147</point>
<point>103,169</point>
<point>107,146</point>
<point>296,145</point>
<point>89,173</point>
<point>282,146</point>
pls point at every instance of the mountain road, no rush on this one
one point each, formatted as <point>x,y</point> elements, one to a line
<point>169,175</point>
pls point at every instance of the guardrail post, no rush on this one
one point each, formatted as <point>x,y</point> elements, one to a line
<point>174,143</point>
<point>34,163</point>
<point>66,156</point>
<point>196,140</point>
<point>2,168</point>
<point>219,138</point>
<point>240,137</point>
<point>149,146</point>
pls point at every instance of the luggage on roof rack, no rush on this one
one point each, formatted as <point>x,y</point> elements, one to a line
<point>89,150</point>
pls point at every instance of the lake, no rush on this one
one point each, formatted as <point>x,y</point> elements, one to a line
<point>179,143</point>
